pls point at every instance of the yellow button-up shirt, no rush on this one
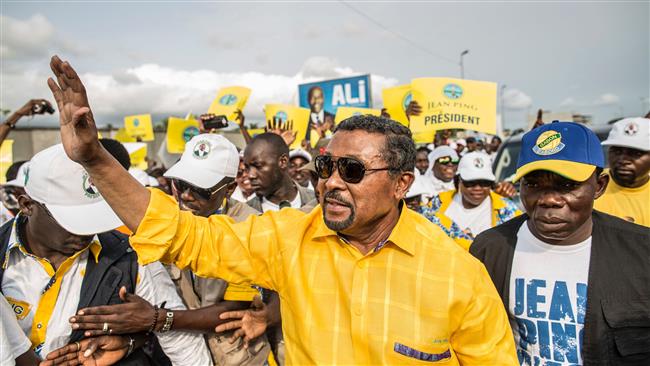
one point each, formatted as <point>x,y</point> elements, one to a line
<point>419,298</point>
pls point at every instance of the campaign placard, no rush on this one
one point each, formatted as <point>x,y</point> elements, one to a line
<point>453,104</point>
<point>138,154</point>
<point>396,100</point>
<point>347,112</point>
<point>139,127</point>
<point>179,132</point>
<point>6,158</point>
<point>229,100</point>
<point>298,116</point>
<point>323,98</point>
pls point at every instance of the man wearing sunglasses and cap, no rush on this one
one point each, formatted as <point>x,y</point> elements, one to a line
<point>575,281</point>
<point>362,279</point>
<point>61,254</point>
<point>473,206</point>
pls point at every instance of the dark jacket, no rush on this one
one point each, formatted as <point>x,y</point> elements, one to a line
<point>117,266</point>
<point>617,319</point>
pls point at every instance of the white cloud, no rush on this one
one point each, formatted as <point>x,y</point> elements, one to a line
<point>607,99</point>
<point>516,99</point>
<point>165,91</point>
<point>25,37</point>
<point>33,38</point>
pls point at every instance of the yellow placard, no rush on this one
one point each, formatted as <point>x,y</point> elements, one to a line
<point>228,100</point>
<point>139,127</point>
<point>6,158</point>
<point>396,99</point>
<point>122,136</point>
<point>138,154</point>
<point>256,131</point>
<point>454,103</point>
<point>299,117</point>
<point>179,132</point>
<point>347,112</point>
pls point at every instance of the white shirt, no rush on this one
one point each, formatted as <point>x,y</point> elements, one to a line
<point>238,195</point>
<point>477,219</point>
<point>5,214</point>
<point>25,279</point>
<point>318,117</point>
<point>13,342</point>
<point>548,299</point>
<point>270,206</point>
<point>436,185</point>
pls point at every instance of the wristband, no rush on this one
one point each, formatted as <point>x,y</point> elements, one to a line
<point>169,320</point>
<point>155,320</point>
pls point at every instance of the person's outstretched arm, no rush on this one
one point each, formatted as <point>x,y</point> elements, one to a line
<point>128,198</point>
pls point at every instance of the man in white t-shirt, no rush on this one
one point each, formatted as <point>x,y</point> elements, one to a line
<point>574,281</point>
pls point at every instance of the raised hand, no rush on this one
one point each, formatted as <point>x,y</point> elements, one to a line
<point>284,130</point>
<point>97,351</point>
<point>413,109</point>
<point>133,316</point>
<point>78,130</point>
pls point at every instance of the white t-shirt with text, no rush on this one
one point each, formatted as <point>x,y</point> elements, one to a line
<point>548,299</point>
<point>477,219</point>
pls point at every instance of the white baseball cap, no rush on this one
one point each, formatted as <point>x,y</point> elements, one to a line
<point>207,159</point>
<point>21,175</point>
<point>66,189</point>
<point>442,151</point>
<point>630,132</point>
<point>299,153</point>
<point>476,166</point>
<point>418,187</point>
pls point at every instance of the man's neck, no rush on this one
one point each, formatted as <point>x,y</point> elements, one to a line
<point>373,233</point>
<point>33,244</point>
<point>287,191</point>
<point>638,181</point>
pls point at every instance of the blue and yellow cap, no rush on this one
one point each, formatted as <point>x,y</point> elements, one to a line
<point>568,149</point>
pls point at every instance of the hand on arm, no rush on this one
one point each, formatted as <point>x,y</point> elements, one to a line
<point>505,189</point>
<point>250,323</point>
<point>413,109</point>
<point>128,198</point>
<point>96,351</point>
<point>240,118</point>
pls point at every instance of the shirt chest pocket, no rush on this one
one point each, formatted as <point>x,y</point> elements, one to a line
<point>629,321</point>
<point>407,352</point>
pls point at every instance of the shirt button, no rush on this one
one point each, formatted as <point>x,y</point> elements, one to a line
<point>39,325</point>
<point>360,265</point>
<point>357,310</point>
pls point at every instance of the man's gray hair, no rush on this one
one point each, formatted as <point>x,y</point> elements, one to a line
<point>399,151</point>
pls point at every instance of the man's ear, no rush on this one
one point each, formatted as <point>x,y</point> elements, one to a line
<point>283,161</point>
<point>601,185</point>
<point>26,205</point>
<point>404,182</point>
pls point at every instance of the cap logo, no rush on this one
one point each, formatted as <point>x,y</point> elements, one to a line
<point>26,171</point>
<point>631,129</point>
<point>202,149</point>
<point>90,190</point>
<point>228,99</point>
<point>478,163</point>
<point>452,91</point>
<point>548,143</point>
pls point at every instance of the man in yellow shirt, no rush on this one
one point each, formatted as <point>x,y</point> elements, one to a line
<point>361,278</point>
<point>628,192</point>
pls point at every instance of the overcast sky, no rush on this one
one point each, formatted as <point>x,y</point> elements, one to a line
<point>170,58</point>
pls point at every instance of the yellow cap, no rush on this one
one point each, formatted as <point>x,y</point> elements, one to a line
<point>575,171</point>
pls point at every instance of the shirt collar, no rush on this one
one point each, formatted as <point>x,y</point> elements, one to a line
<point>403,235</point>
<point>15,242</point>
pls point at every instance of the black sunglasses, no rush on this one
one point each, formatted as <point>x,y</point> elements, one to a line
<point>478,182</point>
<point>351,170</point>
<point>206,194</point>
<point>446,160</point>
